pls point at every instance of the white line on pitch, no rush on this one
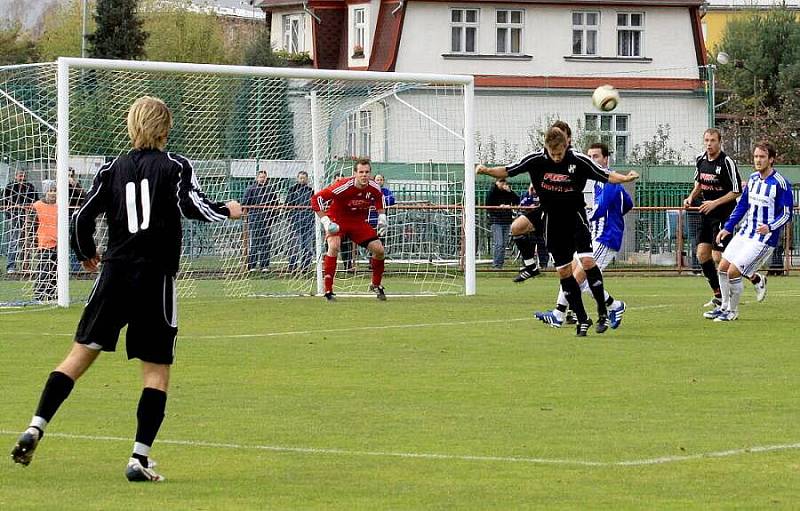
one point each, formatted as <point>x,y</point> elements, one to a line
<point>436,456</point>
<point>348,329</point>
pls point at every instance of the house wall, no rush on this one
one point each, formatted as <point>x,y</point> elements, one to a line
<point>547,36</point>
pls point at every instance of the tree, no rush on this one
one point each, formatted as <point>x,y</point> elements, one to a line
<point>120,33</point>
<point>656,151</point>
<point>62,31</point>
<point>178,33</point>
<point>15,46</point>
<point>761,82</point>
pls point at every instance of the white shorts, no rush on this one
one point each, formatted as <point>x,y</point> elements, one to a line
<point>747,254</point>
<point>603,255</point>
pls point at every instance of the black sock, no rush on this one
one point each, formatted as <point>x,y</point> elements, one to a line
<point>562,308</point>
<point>526,246</point>
<point>149,415</point>
<point>142,459</point>
<point>595,279</point>
<point>609,301</point>
<point>56,390</point>
<point>755,279</point>
<point>572,292</point>
<point>710,272</point>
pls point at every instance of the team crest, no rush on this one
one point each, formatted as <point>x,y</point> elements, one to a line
<point>718,170</point>
<point>571,169</point>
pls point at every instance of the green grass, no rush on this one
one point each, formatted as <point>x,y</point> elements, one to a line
<point>454,376</point>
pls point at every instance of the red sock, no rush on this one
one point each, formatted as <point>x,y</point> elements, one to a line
<point>328,272</point>
<point>377,271</point>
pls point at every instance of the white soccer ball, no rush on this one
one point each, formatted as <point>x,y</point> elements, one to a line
<point>605,98</point>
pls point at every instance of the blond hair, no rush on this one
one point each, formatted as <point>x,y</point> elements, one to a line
<point>149,122</point>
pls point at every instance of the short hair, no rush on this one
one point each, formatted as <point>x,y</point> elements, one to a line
<point>261,171</point>
<point>361,161</point>
<point>149,122</point>
<point>555,137</point>
<point>563,126</point>
<point>302,173</point>
<point>603,148</point>
<point>767,146</point>
<point>713,131</point>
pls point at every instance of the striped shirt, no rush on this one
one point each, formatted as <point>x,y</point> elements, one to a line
<point>764,201</point>
<point>143,195</point>
<point>611,202</point>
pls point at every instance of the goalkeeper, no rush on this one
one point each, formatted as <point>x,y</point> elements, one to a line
<point>343,209</point>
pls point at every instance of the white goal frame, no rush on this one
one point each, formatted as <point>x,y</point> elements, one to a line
<point>65,64</point>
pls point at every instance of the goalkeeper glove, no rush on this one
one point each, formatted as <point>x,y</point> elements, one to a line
<point>383,225</point>
<point>328,225</point>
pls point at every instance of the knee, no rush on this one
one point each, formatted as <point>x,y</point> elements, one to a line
<point>378,252</point>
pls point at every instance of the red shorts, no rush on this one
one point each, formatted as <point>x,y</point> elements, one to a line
<point>359,231</point>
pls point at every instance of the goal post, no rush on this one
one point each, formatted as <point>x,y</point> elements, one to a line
<point>234,122</point>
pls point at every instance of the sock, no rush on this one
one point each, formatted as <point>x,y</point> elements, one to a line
<point>710,272</point>
<point>561,300</point>
<point>595,279</point>
<point>377,271</point>
<point>736,287</point>
<point>725,288</point>
<point>527,248</point>
<point>55,391</point>
<point>755,279</point>
<point>328,272</point>
<point>573,295</point>
<point>149,416</point>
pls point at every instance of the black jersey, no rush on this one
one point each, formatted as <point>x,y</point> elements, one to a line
<point>559,185</point>
<point>143,195</point>
<point>717,177</point>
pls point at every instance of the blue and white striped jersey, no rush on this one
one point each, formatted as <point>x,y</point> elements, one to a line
<point>764,201</point>
<point>611,202</point>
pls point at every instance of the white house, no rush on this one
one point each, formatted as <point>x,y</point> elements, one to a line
<point>533,61</point>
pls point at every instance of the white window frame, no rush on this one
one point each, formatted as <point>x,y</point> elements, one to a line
<point>360,29</point>
<point>464,26</point>
<point>612,136</point>
<point>508,26</point>
<point>359,133</point>
<point>625,29</point>
<point>293,42</point>
<point>583,28</point>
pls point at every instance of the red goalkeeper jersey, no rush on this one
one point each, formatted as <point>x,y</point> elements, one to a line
<point>346,202</point>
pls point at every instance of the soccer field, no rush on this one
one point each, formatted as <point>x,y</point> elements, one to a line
<point>427,403</point>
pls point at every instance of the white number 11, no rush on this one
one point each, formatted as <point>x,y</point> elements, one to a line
<point>130,203</point>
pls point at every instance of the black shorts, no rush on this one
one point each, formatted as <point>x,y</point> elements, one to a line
<point>707,231</point>
<point>567,232</point>
<point>138,296</point>
<point>536,218</point>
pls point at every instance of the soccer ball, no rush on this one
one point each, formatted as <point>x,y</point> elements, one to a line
<point>605,98</point>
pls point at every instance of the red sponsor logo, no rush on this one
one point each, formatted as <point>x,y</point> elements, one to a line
<point>556,178</point>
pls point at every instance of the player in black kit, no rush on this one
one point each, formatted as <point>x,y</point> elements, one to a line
<point>143,195</point>
<point>717,185</point>
<point>558,174</point>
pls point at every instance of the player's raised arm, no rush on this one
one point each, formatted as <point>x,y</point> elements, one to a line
<point>192,201</point>
<point>496,172</point>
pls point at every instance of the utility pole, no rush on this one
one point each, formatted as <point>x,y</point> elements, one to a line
<point>84,8</point>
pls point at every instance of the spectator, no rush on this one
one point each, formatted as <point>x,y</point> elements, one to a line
<point>503,198</point>
<point>17,196</point>
<point>302,221</point>
<point>76,197</point>
<point>258,200</point>
<point>530,199</point>
<point>388,199</point>
<point>46,229</point>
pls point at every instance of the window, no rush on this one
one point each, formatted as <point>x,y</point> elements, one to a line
<point>293,37</point>
<point>509,31</point>
<point>584,32</point>
<point>630,26</point>
<point>464,30</point>
<point>359,30</point>
<point>359,133</point>
<point>612,130</point>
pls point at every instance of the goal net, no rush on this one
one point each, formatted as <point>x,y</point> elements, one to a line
<point>253,135</point>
